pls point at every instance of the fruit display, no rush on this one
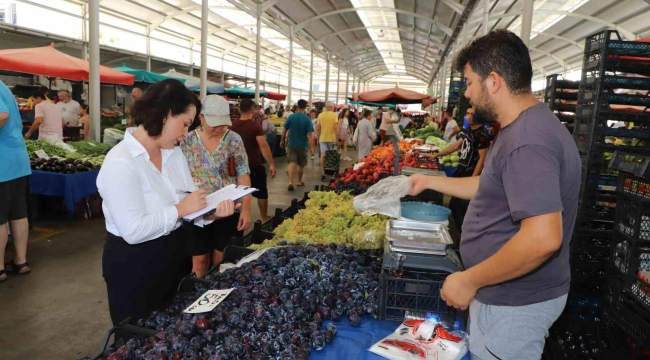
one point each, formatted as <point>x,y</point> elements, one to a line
<point>330,218</point>
<point>276,310</point>
<point>62,166</point>
<point>89,147</point>
<point>429,130</point>
<point>415,160</point>
<point>50,149</point>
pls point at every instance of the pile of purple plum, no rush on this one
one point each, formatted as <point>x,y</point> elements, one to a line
<point>275,312</point>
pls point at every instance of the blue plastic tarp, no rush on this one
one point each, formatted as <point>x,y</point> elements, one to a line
<point>146,76</point>
<point>194,83</point>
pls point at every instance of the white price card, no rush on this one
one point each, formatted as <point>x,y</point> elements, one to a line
<point>208,301</point>
<point>41,154</point>
<point>91,144</point>
<point>124,121</point>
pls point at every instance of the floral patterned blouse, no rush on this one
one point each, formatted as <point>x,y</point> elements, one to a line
<point>210,170</point>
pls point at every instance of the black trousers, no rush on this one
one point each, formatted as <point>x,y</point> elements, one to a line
<point>143,277</point>
<point>458,209</point>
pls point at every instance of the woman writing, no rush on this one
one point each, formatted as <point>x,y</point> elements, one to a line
<point>141,181</point>
<point>216,158</point>
<point>366,135</point>
<point>344,128</point>
<point>84,121</point>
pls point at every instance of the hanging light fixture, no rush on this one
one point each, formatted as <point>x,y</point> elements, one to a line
<point>381,33</point>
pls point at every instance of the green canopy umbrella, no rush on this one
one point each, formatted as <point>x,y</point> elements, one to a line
<point>146,76</point>
<point>367,103</point>
<point>236,92</point>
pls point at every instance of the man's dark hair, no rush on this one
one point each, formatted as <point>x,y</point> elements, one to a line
<point>302,104</point>
<point>85,107</point>
<point>37,94</point>
<point>399,111</point>
<point>449,111</point>
<point>158,101</point>
<point>366,113</point>
<point>197,119</point>
<point>468,106</point>
<point>504,53</point>
<point>43,89</point>
<point>246,105</point>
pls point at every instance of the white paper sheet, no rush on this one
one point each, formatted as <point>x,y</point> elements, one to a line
<point>230,192</point>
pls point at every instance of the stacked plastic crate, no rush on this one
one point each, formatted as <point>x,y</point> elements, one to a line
<point>612,135</point>
<point>561,96</point>
<point>456,83</point>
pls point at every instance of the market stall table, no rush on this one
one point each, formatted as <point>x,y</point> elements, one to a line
<point>72,187</point>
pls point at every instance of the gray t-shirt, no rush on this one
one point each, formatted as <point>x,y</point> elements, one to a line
<point>533,168</point>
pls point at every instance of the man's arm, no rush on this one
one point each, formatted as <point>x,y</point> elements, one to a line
<point>482,153</point>
<point>284,134</point>
<point>245,216</point>
<point>35,126</point>
<point>536,241</point>
<point>266,153</point>
<point>3,119</point>
<point>453,133</point>
<point>462,188</point>
<point>310,140</point>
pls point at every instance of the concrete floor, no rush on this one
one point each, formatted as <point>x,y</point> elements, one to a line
<point>59,310</point>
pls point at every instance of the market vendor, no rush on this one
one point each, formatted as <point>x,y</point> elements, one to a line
<point>516,234</point>
<point>47,119</point>
<point>386,129</point>
<point>69,108</point>
<point>143,183</point>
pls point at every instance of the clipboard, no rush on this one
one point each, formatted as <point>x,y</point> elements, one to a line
<point>230,192</point>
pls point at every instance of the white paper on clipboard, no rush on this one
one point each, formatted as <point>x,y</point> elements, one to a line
<point>230,192</point>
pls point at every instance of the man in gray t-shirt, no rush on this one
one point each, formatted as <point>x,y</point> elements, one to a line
<point>516,234</point>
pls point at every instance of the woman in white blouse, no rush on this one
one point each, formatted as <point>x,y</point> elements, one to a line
<point>144,183</point>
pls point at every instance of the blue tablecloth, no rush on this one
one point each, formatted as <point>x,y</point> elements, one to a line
<point>353,342</point>
<point>72,187</point>
<point>450,171</point>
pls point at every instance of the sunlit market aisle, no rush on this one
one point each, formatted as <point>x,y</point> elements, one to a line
<point>59,310</point>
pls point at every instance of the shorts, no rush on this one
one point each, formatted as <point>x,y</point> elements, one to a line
<point>297,155</point>
<point>13,199</point>
<point>216,236</point>
<point>343,134</point>
<point>511,332</point>
<point>382,135</point>
<point>327,146</point>
<point>258,181</point>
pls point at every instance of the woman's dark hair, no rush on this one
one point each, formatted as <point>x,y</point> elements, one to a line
<point>85,107</point>
<point>503,52</point>
<point>158,101</point>
<point>197,119</point>
<point>366,113</point>
<point>37,94</point>
<point>342,113</point>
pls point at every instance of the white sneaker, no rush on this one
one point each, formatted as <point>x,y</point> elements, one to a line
<point>347,159</point>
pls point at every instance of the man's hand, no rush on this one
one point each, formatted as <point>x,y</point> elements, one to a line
<point>244,220</point>
<point>458,291</point>
<point>281,143</point>
<point>28,135</point>
<point>419,183</point>
<point>272,170</point>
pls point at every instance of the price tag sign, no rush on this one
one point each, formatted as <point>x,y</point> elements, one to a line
<point>41,154</point>
<point>124,121</point>
<point>91,144</point>
<point>208,301</point>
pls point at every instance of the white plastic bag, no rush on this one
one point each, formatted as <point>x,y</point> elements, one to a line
<point>384,197</point>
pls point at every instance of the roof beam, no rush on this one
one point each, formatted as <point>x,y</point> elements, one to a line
<point>557,59</point>
<point>338,51</point>
<point>437,23</point>
<point>378,74</point>
<point>454,5</point>
<point>370,69</point>
<point>380,58</point>
<point>436,41</point>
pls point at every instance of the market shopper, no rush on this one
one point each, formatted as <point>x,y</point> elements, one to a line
<point>141,182</point>
<point>313,115</point>
<point>343,126</point>
<point>386,128</point>
<point>69,108</point>
<point>326,131</point>
<point>256,146</point>
<point>14,163</point>
<point>302,134</point>
<point>516,234</point>
<point>216,158</point>
<point>366,135</point>
<point>136,94</point>
<point>84,120</point>
<point>47,119</point>
<point>450,126</point>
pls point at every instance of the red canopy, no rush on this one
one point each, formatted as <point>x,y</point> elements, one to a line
<point>48,61</point>
<point>276,96</point>
<point>393,96</point>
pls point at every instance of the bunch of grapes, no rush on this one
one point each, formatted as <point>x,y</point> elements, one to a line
<point>330,218</point>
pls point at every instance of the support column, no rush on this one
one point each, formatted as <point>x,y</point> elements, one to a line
<point>191,72</point>
<point>148,62</point>
<point>443,89</point>
<point>223,72</point>
<point>289,101</point>
<point>338,80</point>
<point>204,48</point>
<point>327,78</point>
<point>527,20</point>
<point>93,79</point>
<point>258,53</point>
<point>311,76</point>
<point>84,33</point>
<point>347,84</point>
<point>359,85</point>
<point>486,14</point>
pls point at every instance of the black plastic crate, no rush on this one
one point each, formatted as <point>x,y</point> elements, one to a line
<point>255,236</point>
<point>633,217</point>
<point>613,42</point>
<point>627,314</point>
<point>121,334</point>
<point>640,284</point>
<point>636,163</point>
<point>621,259</point>
<point>414,291</point>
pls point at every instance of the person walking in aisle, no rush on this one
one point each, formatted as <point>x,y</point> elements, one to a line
<point>302,134</point>
<point>47,119</point>
<point>343,126</point>
<point>313,115</point>
<point>216,158</point>
<point>516,234</point>
<point>366,134</point>
<point>69,108</point>
<point>450,127</point>
<point>326,131</point>
<point>387,120</point>
<point>256,146</point>
<point>144,183</point>
<point>473,145</point>
<point>84,120</point>
<point>14,176</point>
